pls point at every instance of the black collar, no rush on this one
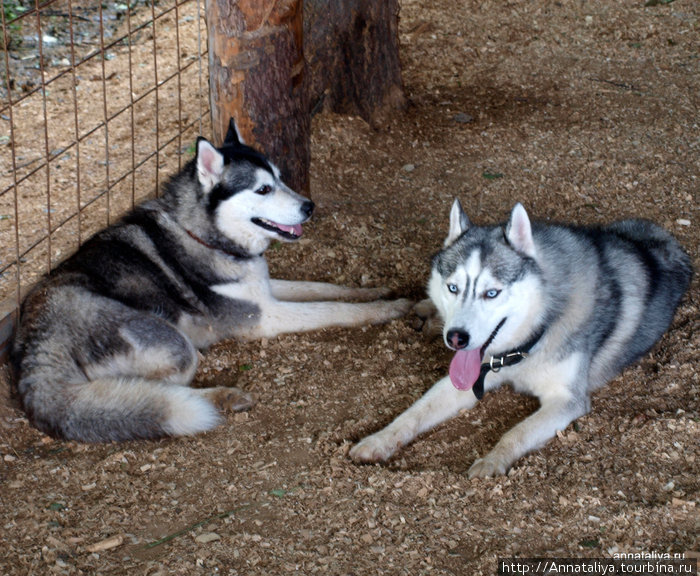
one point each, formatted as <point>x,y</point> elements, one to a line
<point>508,359</point>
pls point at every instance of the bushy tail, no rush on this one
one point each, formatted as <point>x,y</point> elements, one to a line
<point>117,409</point>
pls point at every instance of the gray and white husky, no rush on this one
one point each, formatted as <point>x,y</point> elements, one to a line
<point>555,310</point>
<point>106,344</point>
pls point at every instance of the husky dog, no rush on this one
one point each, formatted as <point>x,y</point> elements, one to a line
<point>555,310</point>
<point>106,344</point>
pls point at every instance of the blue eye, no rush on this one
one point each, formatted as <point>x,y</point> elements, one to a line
<point>453,288</point>
<point>492,293</point>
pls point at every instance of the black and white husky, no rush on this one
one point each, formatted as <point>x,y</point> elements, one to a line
<point>555,310</point>
<point>106,344</point>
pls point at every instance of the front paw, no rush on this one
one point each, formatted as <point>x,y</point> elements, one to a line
<point>404,305</point>
<point>371,449</point>
<point>396,308</point>
<point>489,465</point>
<point>427,319</point>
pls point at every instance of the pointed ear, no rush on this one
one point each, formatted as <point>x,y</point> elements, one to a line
<point>210,164</point>
<point>519,232</point>
<point>233,136</point>
<point>459,223</point>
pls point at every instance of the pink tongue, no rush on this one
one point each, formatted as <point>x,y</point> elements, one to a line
<point>465,368</point>
<point>296,229</point>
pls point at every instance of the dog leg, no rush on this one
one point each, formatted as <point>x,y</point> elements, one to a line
<point>554,414</point>
<point>292,291</point>
<point>442,402</point>
<point>133,382</point>
<point>144,347</point>
<point>428,319</point>
<point>284,317</point>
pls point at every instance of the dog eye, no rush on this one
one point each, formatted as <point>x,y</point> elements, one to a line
<point>453,288</point>
<point>492,293</point>
<point>263,190</point>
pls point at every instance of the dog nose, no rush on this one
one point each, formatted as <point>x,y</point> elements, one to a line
<point>458,339</point>
<point>307,208</point>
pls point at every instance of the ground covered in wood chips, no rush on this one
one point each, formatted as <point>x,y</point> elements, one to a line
<point>583,111</point>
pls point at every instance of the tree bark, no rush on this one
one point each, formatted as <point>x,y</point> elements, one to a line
<point>352,49</point>
<point>257,75</point>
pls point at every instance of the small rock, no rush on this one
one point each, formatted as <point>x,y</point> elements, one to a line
<point>408,167</point>
<point>463,118</point>
<point>207,537</point>
<point>683,222</point>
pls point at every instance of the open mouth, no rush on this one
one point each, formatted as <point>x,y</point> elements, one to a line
<point>466,364</point>
<point>285,231</point>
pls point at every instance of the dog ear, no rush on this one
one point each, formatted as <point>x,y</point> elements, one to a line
<point>459,223</point>
<point>519,232</point>
<point>233,136</point>
<point>210,165</point>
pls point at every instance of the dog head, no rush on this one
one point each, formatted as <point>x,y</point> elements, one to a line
<point>245,200</point>
<point>486,284</point>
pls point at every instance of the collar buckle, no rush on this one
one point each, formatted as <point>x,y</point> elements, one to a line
<point>506,360</point>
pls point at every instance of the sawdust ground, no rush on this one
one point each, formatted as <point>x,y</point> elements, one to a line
<point>584,112</point>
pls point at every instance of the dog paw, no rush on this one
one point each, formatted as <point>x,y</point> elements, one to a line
<point>230,399</point>
<point>427,319</point>
<point>371,450</point>
<point>402,306</point>
<point>488,466</point>
<point>425,309</point>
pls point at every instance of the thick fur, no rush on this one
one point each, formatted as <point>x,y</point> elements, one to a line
<point>106,344</point>
<point>599,297</point>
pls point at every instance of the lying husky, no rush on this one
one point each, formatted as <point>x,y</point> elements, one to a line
<point>556,310</point>
<point>106,344</point>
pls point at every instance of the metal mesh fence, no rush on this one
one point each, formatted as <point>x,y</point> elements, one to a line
<point>97,103</point>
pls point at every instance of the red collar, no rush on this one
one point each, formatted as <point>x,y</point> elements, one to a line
<point>232,253</point>
<point>198,239</point>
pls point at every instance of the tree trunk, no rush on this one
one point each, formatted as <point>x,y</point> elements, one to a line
<point>257,75</point>
<point>257,72</point>
<point>352,49</point>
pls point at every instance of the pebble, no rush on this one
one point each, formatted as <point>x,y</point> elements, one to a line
<point>463,118</point>
<point>207,537</point>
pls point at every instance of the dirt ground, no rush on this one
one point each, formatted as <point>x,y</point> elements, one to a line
<point>583,111</point>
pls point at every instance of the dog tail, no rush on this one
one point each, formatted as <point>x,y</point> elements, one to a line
<point>121,409</point>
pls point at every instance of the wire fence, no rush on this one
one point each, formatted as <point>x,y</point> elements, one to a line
<point>98,102</point>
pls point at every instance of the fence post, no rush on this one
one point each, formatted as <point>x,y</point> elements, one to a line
<point>8,319</point>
